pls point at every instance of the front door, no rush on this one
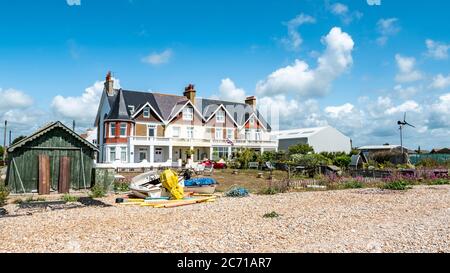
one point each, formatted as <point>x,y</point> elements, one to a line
<point>158,155</point>
<point>142,155</point>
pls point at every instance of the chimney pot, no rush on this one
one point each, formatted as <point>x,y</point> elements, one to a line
<point>251,101</point>
<point>109,84</point>
<point>189,92</point>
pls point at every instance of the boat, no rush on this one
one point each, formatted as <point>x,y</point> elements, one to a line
<point>146,185</point>
<point>203,185</point>
<point>149,185</point>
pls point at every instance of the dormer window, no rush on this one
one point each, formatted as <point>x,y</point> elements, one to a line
<point>220,116</point>
<point>131,109</point>
<point>252,120</point>
<point>188,113</point>
<point>146,112</point>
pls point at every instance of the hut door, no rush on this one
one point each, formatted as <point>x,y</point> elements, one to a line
<point>44,174</point>
<point>64,175</point>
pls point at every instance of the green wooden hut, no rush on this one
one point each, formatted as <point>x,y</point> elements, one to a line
<point>53,159</point>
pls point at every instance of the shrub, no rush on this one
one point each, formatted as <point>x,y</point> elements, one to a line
<point>310,160</point>
<point>269,191</point>
<point>398,185</point>
<point>342,161</point>
<point>97,191</point>
<point>300,149</point>
<point>245,156</point>
<point>121,186</point>
<point>272,214</point>
<point>4,192</point>
<point>428,163</point>
<point>440,181</point>
<point>69,198</point>
<point>32,199</point>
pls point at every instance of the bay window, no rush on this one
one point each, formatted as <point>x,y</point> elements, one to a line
<point>112,129</point>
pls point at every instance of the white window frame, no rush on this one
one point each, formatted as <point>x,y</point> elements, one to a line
<point>188,134</point>
<point>220,116</point>
<point>230,133</point>
<point>111,132</point>
<point>154,130</point>
<point>112,150</point>
<point>258,134</point>
<point>131,109</point>
<point>146,112</point>
<point>176,129</point>
<point>248,134</point>
<point>120,129</point>
<point>188,113</point>
<point>216,136</point>
<point>122,150</point>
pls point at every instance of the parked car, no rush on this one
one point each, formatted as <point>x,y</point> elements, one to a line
<point>216,165</point>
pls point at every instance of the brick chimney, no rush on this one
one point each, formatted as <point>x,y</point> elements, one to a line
<point>251,101</point>
<point>109,83</point>
<point>189,92</point>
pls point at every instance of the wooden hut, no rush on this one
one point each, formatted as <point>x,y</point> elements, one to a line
<point>52,159</point>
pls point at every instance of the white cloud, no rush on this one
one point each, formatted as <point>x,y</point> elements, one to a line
<point>437,50</point>
<point>294,39</point>
<point>158,58</point>
<point>440,82</point>
<point>300,79</point>
<point>82,109</point>
<point>406,92</point>
<point>407,71</point>
<point>387,28</point>
<point>229,91</point>
<point>344,13</point>
<point>14,99</point>
<point>73,2</point>
<point>407,106</point>
<point>336,111</point>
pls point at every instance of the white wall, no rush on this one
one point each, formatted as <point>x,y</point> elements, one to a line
<point>330,140</point>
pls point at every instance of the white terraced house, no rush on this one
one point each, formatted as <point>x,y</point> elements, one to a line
<point>153,129</point>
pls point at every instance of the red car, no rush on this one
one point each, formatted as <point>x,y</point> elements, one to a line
<point>216,165</point>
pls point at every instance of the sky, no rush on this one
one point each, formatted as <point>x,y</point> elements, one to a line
<point>355,65</point>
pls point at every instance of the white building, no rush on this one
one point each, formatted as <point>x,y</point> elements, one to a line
<point>322,139</point>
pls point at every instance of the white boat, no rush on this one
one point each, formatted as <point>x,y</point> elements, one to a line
<point>148,185</point>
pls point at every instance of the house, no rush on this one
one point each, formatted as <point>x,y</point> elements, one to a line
<point>155,129</point>
<point>322,139</point>
<point>54,158</point>
<point>440,151</point>
<point>90,135</point>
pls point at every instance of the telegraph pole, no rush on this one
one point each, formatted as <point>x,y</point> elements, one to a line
<point>9,138</point>
<point>4,140</point>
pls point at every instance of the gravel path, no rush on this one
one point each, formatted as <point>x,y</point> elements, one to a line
<point>365,220</point>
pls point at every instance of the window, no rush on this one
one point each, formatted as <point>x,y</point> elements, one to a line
<point>112,129</point>
<point>112,154</point>
<point>252,120</point>
<point>190,132</point>
<point>151,131</point>
<point>123,129</point>
<point>258,135</point>
<point>220,116</point>
<point>248,134</point>
<point>123,154</point>
<point>219,133</point>
<point>131,109</point>
<point>230,133</point>
<point>188,113</point>
<point>146,112</point>
<point>176,131</point>
<point>220,152</point>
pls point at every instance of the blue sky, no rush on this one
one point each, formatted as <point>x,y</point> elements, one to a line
<point>377,60</point>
